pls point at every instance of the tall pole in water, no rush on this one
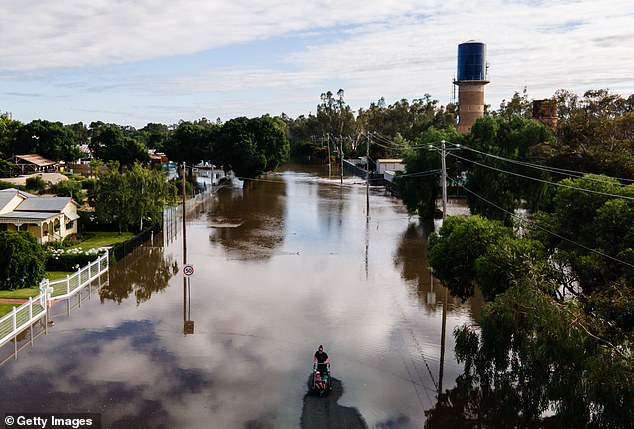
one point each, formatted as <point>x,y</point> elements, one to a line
<point>367,178</point>
<point>341,159</point>
<point>443,154</point>
<point>184,215</point>
<point>328,142</point>
<point>184,245</point>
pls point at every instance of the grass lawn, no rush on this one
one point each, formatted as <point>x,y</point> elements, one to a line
<point>57,275</point>
<point>20,293</point>
<point>103,239</point>
<point>6,308</point>
<point>27,292</point>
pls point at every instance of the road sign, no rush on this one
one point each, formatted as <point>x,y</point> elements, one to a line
<point>188,270</point>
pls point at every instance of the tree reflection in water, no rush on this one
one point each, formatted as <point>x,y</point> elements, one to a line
<point>143,272</point>
<point>411,257</point>
<point>249,224</point>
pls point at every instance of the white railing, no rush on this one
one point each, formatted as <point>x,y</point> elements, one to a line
<point>30,312</point>
<point>69,286</point>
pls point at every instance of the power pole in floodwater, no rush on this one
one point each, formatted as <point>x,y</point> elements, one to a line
<point>443,155</point>
<point>328,142</point>
<point>341,159</point>
<point>184,215</point>
<point>367,178</point>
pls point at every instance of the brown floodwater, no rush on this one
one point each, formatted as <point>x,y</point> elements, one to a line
<point>284,265</point>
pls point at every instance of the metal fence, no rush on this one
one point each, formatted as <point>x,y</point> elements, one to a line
<point>27,314</point>
<point>118,251</point>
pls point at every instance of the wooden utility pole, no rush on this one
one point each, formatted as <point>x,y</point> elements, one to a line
<point>443,153</point>
<point>328,142</point>
<point>184,216</point>
<point>367,178</point>
<point>341,159</point>
<point>184,243</point>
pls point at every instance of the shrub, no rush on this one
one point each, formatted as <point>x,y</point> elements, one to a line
<point>21,260</point>
<point>70,259</point>
<point>36,184</point>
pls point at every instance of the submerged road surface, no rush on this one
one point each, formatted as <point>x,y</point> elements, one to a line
<point>284,265</point>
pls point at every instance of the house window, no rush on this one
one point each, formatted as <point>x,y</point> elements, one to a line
<point>23,227</point>
<point>3,227</point>
<point>70,224</point>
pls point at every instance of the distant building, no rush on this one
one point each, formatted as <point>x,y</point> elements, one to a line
<point>545,111</point>
<point>33,163</point>
<point>383,165</point>
<point>47,218</point>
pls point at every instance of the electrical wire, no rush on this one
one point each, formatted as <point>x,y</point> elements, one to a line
<point>533,224</point>
<point>542,180</point>
<point>555,170</point>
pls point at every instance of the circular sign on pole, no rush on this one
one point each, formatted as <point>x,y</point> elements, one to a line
<point>188,270</point>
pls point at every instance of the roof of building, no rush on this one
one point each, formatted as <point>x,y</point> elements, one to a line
<point>38,160</point>
<point>7,195</point>
<point>35,216</point>
<point>44,204</point>
<point>390,160</point>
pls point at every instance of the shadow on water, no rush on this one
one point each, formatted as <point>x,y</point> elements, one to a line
<point>321,412</point>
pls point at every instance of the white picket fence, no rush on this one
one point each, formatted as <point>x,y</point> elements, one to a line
<point>30,312</point>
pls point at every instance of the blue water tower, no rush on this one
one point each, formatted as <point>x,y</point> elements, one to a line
<point>472,61</point>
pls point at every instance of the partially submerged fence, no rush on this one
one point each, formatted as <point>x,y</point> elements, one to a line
<point>27,314</point>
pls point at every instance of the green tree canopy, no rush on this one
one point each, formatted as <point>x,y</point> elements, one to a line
<point>251,146</point>
<point>49,139</point>
<point>191,142</point>
<point>489,179</point>
<point>418,189</point>
<point>22,260</point>
<point>129,197</point>
<point>109,142</point>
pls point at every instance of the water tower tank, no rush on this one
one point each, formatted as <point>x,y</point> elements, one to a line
<point>472,61</point>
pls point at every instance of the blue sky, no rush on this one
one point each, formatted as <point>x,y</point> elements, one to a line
<point>134,62</point>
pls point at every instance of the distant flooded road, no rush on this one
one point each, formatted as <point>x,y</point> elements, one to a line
<point>284,265</point>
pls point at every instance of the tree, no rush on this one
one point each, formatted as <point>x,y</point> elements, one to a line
<point>594,133</point>
<point>488,178</point>
<point>70,188</point>
<point>547,361</point>
<point>109,142</point>
<point>36,184</point>
<point>130,196</point>
<point>251,146</point>
<point>48,139</point>
<point>419,190</point>
<point>518,105</point>
<point>8,131</point>
<point>453,251</point>
<point>190,142</point>
<point>22,260</point>
<point>154,136</point>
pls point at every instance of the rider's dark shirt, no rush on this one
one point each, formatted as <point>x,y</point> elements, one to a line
<point>321,358</point>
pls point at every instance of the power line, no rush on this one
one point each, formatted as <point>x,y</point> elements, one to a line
<point>542,180</point>
<point>522,219</point>
<point>555,170</point>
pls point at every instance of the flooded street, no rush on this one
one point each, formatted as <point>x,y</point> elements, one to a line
<point>284,265</point>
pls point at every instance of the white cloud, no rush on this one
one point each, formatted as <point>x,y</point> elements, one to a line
<point>370,48</point>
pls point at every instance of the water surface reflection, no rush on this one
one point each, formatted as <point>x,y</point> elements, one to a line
<point>323,274</point>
